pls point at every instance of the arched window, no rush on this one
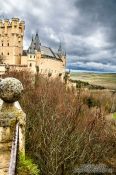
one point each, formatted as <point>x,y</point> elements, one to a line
<point>30,56</point>
<point>2,44</point>
<point>30,64</point>
<point>8,53</point>
<point>8,44</point>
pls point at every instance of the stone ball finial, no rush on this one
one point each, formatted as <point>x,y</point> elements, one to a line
<point>10,89</point>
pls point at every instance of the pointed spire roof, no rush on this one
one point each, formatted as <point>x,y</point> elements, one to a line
<point>60,47</point>
<point>60,50</point>
<point>31,47</point>
<point>32,38</point>
<point>32,41</point>
<point>35,44</point>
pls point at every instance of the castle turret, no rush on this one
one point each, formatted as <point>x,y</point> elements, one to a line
<point>11,40</point>
<point>34,51</point>
<point>31,47</point>
<point>62,54</point>
<point>37,42</point>
<point>35,45</point>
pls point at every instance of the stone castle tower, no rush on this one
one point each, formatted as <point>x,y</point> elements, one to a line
<point>11,40</point>
<point>36,57</point>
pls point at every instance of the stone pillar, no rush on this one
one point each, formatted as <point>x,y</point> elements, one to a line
<point>10,114</point>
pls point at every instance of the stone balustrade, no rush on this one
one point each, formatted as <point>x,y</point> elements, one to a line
<point>11,114</point>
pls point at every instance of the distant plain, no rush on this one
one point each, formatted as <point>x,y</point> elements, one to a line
<point>108,80</point>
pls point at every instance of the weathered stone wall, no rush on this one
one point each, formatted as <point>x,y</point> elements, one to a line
<point>2,69</point>
<point>10,114</point>
<point>53,66</point>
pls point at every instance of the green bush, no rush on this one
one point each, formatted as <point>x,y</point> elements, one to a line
<point>80,84</point>
<point>26,166</point>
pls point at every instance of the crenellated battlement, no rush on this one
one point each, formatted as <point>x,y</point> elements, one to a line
<point>16,25</point>
<point>11,40</point>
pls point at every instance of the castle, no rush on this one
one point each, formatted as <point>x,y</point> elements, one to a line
<point>36,58</point>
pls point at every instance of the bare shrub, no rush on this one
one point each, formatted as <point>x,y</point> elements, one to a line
<point>63,132</point>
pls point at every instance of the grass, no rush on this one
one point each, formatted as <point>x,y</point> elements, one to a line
<point>26,166</point>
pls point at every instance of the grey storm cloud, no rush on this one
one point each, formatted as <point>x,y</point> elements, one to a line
<point>85,27</point>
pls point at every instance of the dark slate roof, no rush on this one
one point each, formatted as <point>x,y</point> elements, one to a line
<point>45,51</point>
<point>57,56</point>
<point>35,44</point>
<point>31,48</point>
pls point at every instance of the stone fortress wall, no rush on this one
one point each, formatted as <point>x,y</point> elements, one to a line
<point>12,53</point>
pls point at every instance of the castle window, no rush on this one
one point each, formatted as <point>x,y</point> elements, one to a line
<point>30,56</point>
<point>2,53</point>
<point>8,53</point>
<point>30,64</point>
<point>2,44</point>
<point>8,44</point>
<point>34,56</point>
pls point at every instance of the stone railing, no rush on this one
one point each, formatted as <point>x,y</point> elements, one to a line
<point>14,152</point>
<point>12,125</point>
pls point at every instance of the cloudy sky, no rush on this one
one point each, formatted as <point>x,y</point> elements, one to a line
<point>86,28</point>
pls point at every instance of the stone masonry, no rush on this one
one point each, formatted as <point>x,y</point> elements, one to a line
<point>10,114</point>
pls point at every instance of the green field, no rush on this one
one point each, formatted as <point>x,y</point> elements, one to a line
<point>107,80</point>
